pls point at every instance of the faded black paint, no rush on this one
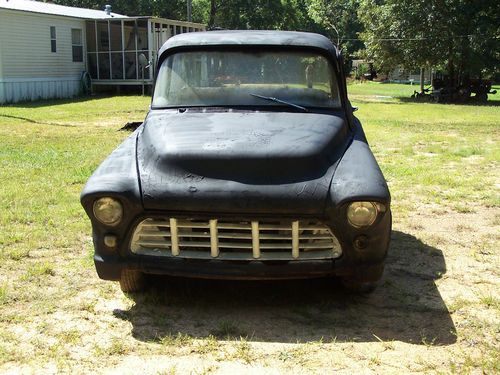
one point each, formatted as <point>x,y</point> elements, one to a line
<point>240,162</point>
<point>244,162</point>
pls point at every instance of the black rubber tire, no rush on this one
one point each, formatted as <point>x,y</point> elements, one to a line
<point>132,281</point>
<point>481,98</point>
<point>359,287</point>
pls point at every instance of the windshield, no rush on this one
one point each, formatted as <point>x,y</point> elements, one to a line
<point>242,78</point>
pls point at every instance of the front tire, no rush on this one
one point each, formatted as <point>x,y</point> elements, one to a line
<point>132,281</point>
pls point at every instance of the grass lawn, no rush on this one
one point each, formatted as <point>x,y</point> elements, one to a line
<point>437,310</point>
<point>381,91</point>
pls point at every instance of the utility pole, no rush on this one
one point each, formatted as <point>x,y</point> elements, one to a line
<point>189,18</point>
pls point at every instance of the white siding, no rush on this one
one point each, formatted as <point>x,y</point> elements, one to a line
<point>2,94</point>
<point>28,68</point>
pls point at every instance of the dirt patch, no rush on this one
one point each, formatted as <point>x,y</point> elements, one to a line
<point>131,126</point>
<point>440,285</point>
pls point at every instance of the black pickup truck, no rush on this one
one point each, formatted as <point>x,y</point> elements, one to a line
<point>249,165</point>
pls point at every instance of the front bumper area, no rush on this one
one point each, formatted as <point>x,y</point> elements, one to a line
<point>110,267</point>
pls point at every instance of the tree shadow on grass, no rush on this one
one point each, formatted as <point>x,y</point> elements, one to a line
<point>406,307</point>
<point>489,103</point>
<point>53,102</point>
<point>387,99</point>
<point>32,121</point>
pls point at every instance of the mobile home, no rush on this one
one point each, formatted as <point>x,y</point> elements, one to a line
<point>54,51</point>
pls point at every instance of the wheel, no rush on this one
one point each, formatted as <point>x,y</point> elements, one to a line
<point>132,281</point>
<point>359,287</point>
<point>481,98</point>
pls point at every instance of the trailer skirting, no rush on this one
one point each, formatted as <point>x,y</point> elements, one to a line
<point>13,90</point>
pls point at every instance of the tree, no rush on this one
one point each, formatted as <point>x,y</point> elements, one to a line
<point>339,19</point>
<point>256,14</point>
<point>458,35</point>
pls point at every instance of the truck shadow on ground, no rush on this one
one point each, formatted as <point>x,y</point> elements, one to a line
<point>406,307</point>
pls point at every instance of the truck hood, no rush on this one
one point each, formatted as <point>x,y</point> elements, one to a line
<point>239,161</point>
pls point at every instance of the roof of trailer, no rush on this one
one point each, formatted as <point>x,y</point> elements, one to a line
<point>250,37</point>
<point>56,10</point>
<point>90,14</point>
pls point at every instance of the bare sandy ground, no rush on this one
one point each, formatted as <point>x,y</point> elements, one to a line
<point>436,310</point>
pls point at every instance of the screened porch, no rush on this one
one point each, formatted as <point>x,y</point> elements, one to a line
<point>123,51</point>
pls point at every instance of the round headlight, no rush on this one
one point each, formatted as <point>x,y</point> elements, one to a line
<point>108,211</point>
<point>362,214</point>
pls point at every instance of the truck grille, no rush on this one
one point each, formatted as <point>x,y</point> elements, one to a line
<point>235,239</point>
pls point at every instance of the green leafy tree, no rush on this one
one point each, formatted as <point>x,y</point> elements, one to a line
<point>460,36</point>
<point>339,19</point>
<point>256,14</point>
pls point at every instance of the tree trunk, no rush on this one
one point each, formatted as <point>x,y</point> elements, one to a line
<point>422,71</point>
<point>451,66</point>
<point>213,12</point>
<point>189,10</point>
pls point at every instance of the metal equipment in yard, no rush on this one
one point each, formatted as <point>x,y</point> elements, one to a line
<point>444,89</point>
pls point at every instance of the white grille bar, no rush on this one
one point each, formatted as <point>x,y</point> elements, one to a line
<point>255,240</point>
<point>214,239</point>
<point>174,237</point>
<point>295,239</point>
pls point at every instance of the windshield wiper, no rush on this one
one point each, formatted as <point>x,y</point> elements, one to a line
<point>272,99</point>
